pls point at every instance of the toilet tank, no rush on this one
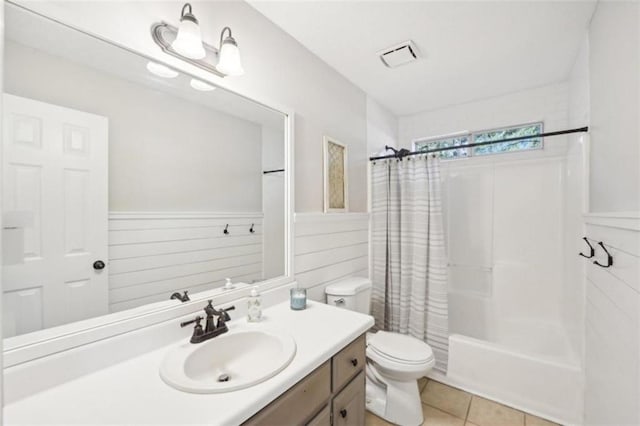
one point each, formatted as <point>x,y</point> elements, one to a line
<point>351,293</point>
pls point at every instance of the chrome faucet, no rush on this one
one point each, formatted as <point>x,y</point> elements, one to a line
<point>211,328</point>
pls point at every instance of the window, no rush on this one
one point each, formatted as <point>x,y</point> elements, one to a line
<point>507,133</point>
<point>429,144</point>
<point>484,136</point>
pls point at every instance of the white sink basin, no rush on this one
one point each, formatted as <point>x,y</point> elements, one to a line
<point>244,357</point>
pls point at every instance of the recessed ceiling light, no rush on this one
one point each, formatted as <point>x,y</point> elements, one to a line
<point>201,85</point>
<point>161,70</point>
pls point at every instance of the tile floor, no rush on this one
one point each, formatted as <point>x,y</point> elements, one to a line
<point>444,405</point>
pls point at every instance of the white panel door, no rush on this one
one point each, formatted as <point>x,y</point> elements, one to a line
<point>55,174</point>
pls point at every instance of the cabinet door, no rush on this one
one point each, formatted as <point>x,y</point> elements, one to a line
<point>348,362</point>
<point>323,418</point>
<point>298,404</point>
<point>348,405</point>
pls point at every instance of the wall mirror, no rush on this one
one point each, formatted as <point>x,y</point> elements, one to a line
<point>125,181</point>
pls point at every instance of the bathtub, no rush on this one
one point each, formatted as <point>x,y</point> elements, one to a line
<point>524,363</point>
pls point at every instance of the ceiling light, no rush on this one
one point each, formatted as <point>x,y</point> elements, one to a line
<point>188,42</point>
<point>201,85</point>
<point>161,70</point>
<point>185,43</point>
<point>229,56</point>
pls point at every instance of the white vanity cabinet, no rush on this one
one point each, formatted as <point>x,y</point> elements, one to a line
<point>333,394</point>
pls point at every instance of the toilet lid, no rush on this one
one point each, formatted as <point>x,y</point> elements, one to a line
<point>399,347</point>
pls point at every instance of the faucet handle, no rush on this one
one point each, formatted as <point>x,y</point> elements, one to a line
<point>198,332</point>
<point>196,320</point>
<point>225,314</point>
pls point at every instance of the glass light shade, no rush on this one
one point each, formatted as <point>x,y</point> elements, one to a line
<point>229,59</point>
<point>161,70</point>
<point>188,42</point>
<point>201,85</point>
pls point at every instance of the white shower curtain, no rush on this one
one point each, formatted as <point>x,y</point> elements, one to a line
<point>408,254</point>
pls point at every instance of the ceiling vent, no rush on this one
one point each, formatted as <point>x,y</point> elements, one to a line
<point>400,54</point>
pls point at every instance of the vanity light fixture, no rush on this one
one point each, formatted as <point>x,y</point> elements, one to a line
<point>161,70</point>
<point>201,85</point>
<point>188,42</point>
<point>229,55</point>
<point>185,42</point>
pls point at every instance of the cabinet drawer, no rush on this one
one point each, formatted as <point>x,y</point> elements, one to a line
<point>297,405</point>
<point>348,406</point>
<point>323,418</point>
<point>348,362</point>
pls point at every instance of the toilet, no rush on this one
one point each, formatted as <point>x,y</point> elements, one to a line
<point>395,361</point>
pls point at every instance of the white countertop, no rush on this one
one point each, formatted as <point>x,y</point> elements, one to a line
<point>132,392</point>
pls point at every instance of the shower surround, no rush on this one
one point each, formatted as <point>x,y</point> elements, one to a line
<point>511,223</point>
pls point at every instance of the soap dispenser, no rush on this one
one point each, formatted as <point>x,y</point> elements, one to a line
<point>254,311</point>
<point>229,285</point>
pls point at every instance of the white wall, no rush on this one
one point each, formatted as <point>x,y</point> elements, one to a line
<point>576,200</point>
<point>548,104</point>
<point>614,62</point>
<point>330,247</point>
<point>1,200</point>
<point>153,255</point>
<point>273,206</point>
<point>612,342</point>
<point>165,153</point>
<point>382,127</point>
<point>612,309</point>
<point>277,68</point>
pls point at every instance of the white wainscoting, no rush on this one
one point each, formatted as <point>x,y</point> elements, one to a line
<point>151,255</point>
<point>612,341</point>
<point>328,247</point>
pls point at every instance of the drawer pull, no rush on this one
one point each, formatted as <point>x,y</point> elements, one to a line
<point>343,413</point>
<point>354,362</point>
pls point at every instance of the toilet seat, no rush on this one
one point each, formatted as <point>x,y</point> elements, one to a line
<point>399,348</point>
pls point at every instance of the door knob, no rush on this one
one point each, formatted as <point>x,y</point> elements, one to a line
<point>343,413</point>
<point>98,265</point>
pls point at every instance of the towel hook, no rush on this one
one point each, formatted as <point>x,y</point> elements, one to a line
<point>592,251</point>
<point>609,257</point>
<point>251,229</point>
<point>226,229</point>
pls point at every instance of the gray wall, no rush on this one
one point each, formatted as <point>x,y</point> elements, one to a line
<point>165,153</point>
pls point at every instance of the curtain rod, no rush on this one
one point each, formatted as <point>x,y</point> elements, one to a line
<point>405,152</point>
